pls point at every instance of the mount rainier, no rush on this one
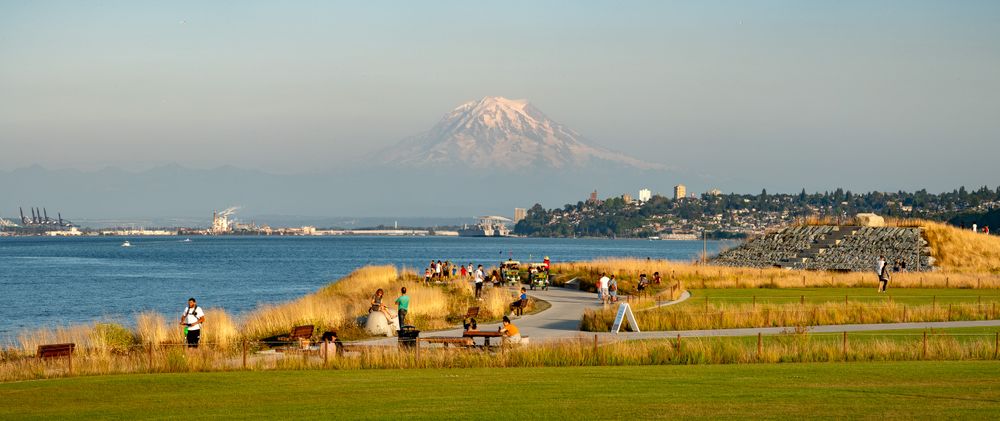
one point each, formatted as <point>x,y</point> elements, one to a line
<point>506,134</point>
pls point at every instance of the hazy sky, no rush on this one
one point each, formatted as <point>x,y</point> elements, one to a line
<point>864,94</point>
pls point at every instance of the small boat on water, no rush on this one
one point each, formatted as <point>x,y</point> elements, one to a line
<point>126,244</point>
<point>186,240</point>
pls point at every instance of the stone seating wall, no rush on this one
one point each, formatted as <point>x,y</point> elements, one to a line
<point>798,247</point>
<point>772,249</point>
<point>860,252</point>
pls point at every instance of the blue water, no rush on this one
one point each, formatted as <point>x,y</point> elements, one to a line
<point>60,281</point>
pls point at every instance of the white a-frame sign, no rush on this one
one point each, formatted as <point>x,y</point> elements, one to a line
<point>623,311</point>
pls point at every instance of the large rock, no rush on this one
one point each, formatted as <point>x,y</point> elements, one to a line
<point>870,220</point>
<point>377,324</point>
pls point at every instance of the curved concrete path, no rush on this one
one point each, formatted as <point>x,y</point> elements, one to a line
<point>562,321</point>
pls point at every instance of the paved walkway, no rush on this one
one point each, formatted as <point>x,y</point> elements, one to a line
<point>562,322</point>
<point>558,322</point>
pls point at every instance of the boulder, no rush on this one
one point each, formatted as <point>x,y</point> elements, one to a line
<point>870,220</point>
<point>377,324</point>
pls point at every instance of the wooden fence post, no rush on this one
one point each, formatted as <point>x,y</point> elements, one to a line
<point>706,304</point>
<point>802,299</point>
<point>754,305</point>
<point>678,342</point>
<point>845,345</point>
<point>760,344</point>
<point>69,359</point>
<point>244,353</point>
<point>949,312</point>
<point>904,313</point>
<point>845,301</point>
<point>326,352</point>
<point>996,344</point>
<point>924,355</point>
<point>150,355</point>
<point>595,343</point>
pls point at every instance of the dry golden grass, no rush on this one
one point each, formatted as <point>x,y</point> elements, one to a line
<point>152,328</point>
<point>702,276</point>
<point>730,316</point>
<point>220,330</point>
<point>962,250</point>
<point>795,347</point>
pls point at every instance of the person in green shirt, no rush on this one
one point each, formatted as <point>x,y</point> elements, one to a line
<point>404,305</point>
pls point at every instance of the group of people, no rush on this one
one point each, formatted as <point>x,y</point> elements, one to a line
<point>645,282</point>
<point>975,228</point>
<point>607,286</point>
<point>607,289</point>
<point>446,270</point>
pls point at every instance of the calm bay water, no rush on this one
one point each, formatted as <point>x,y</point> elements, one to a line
<point>60,281</point>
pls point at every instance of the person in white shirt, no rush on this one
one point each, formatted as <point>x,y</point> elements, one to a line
<point>192,319</point>
<point>878,268</point>
<point>480,277</point>
<point>602,287</point>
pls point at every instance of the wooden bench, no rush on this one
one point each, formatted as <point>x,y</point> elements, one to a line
<point>465,342</point>
<point>519,308</point>
<point>57,350</point>
<point>299,333</point>
<point>472,313</point>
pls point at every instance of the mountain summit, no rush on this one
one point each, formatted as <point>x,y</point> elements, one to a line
<point>501,133</point>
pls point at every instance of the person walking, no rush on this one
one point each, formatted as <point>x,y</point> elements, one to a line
<point>602,288</point>
<point>192,319</point>
<point>403,306</point>
<point>480,278</point>
<point>883,278</point>
<point>879,265</point>
<point>465,272</point>
<point>613,289</point>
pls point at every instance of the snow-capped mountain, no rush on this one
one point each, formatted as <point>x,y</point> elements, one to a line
<point>501,133</point>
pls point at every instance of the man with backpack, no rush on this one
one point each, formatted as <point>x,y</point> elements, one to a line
<point>192,319</point>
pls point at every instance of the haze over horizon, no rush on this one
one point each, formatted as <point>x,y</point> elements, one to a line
<point>736,96</point>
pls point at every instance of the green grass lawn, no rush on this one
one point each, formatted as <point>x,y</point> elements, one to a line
<point>909,296</point>
<point>899,390</point>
